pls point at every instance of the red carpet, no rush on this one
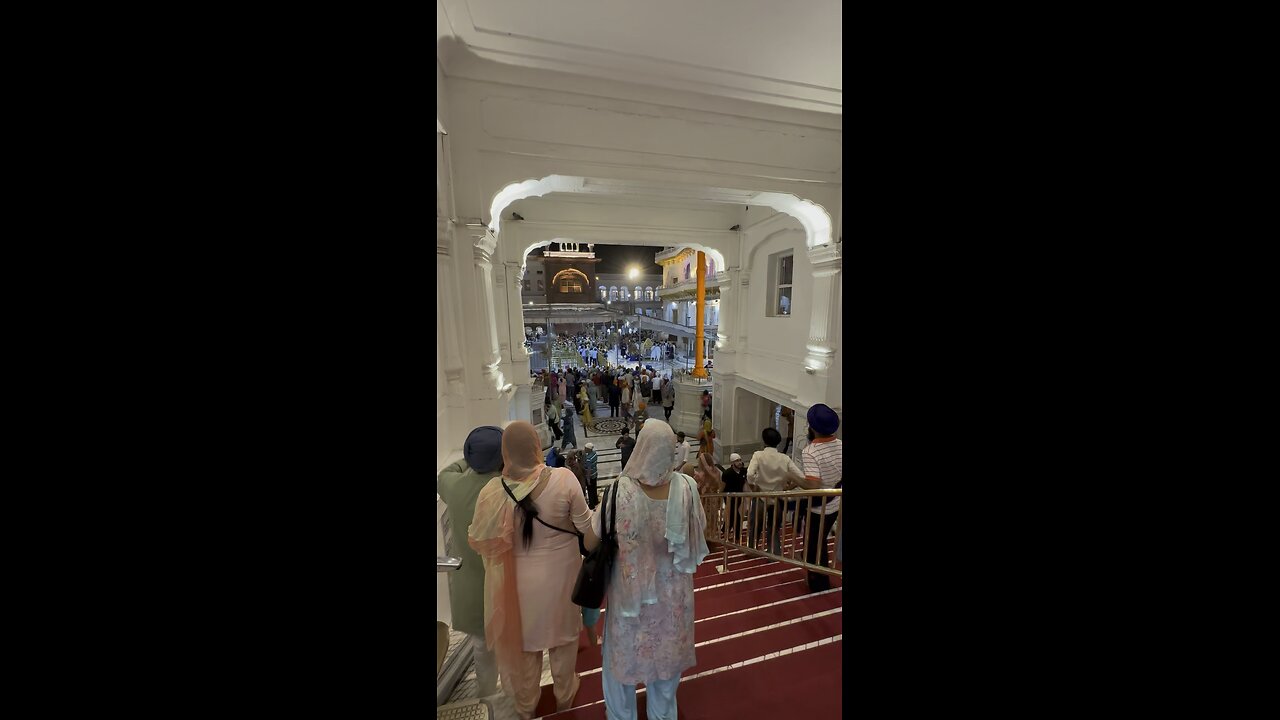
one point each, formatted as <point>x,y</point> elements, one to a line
<point>719,654</point>
<point>811,690</point>
<point>727,604</point>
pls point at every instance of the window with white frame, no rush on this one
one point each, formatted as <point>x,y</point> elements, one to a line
<point>781,271</point>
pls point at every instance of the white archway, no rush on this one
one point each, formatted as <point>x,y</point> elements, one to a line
<point>813,217</point>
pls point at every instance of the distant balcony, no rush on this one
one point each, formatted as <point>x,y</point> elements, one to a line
<point>688,289</point>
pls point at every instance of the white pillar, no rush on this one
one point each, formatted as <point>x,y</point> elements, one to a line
<point>824,327</point>
<point>491,392</point>
<point>451,406</point>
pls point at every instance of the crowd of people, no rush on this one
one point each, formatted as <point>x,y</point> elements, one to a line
<point>528,521</point>
<point>624,393</point>
<point>529,517</point>
<point>637,346</point>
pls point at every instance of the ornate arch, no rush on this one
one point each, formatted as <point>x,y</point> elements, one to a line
<point>568,276</point>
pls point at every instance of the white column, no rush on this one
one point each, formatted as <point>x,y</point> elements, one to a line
<point>491,391</point>
<point>451,407</point>
<point>814,384</point>
<point>514,351</point>
<point>448,331</point>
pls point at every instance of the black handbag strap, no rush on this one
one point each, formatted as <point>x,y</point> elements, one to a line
<point>612,519</point>
<point>512,496</point>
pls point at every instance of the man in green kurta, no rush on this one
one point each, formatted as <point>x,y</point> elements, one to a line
<point>459,485</point>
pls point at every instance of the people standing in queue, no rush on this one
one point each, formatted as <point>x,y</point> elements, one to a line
<point>590,461</point>
<point>530,569</point>
<point>823,468</point>
<point>459,485</point>
<point>649,634</point>
<point>570,434</point>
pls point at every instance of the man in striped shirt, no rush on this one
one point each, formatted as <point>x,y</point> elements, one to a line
<point>823,460</point>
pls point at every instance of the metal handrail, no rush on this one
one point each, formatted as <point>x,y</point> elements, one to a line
<point>716,506</point>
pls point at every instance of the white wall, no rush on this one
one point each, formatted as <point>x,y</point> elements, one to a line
<point>509,125</point>
<point>774,347</point>
<point>505,133</point>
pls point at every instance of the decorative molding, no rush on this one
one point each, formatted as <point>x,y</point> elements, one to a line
<point>504,40</point>
<point>813,217</point>
<point>826,260</point>
<point>819,355</point>
<point>485,245</point>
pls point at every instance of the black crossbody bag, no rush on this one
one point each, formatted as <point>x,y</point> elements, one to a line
<point>597,566</point>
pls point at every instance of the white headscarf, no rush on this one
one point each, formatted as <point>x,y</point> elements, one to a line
<point>650,461</point>
<point>634,574</point>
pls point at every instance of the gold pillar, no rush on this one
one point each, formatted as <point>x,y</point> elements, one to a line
<point>699,313</point>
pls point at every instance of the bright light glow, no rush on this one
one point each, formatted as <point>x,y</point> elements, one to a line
<point>634,273</point>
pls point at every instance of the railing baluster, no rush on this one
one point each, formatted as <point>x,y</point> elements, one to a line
<point>766,520</point>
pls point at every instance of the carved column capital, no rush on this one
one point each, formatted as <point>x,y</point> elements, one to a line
<point>484,246</point>
<point>825,259</point>
<point>516,272</point>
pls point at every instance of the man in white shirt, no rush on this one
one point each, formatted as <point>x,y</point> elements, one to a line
<point>682,451</point>
<point>769,471</point>
<point>823,461</point>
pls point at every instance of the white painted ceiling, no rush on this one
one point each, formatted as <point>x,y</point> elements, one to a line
<point>780,52</point>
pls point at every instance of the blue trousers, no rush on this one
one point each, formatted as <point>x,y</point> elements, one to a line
<point>620,699</point>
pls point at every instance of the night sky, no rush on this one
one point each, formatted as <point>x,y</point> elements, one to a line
<point>619,258</point>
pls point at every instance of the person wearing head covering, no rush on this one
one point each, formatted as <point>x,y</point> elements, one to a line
<point>823,460</point>
<point>459,485</point>
<point>614,388</point>
<point>661,537</point>
<point>706,437</point>
<point>626,444</point>
<point>584,401</point>
<point>554,458</point>
<point>573,461</point>
<point>682,451</point>
<point>642,414</point>
<point>668,398</point>
<point>570,434</point>
<point>553,417</point>
<point>626,399</point>
<point>530,569</point>
<point>735,481</point>
<point>590,462</point>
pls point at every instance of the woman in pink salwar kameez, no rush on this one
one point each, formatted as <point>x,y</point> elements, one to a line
<point>530,569</point>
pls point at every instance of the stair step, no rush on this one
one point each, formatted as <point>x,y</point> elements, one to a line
<point>718,654</point>
<point>811,689</point>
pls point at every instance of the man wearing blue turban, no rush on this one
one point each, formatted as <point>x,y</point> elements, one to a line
<point>459,485</point>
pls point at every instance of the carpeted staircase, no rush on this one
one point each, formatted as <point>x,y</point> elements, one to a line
<point>766,647</point>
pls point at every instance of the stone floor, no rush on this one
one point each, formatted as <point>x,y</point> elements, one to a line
<point>466,689</point>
